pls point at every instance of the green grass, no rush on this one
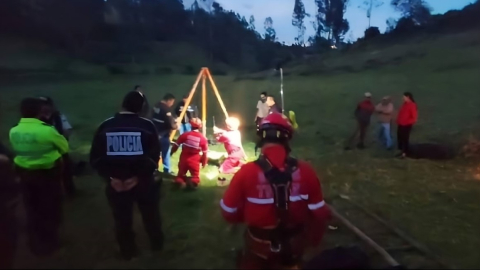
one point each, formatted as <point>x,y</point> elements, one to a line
<point>436,202</point>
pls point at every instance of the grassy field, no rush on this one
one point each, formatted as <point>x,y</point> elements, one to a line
<point>436,202</point>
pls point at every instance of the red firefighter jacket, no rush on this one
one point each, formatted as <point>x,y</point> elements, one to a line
<point>249,198</point>
<point>193,142</point>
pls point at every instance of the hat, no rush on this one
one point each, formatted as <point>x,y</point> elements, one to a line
<point>367,94</point>
<point>386,98</point>
<point>133,102</point>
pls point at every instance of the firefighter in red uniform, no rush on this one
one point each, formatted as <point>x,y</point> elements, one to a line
<point>190,159</point>
<point>279,199</point>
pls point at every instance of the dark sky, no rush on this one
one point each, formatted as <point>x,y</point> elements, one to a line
<point>281,13</point>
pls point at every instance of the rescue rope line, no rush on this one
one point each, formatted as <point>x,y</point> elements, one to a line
<point>365,238</point>
<point>398,232</point>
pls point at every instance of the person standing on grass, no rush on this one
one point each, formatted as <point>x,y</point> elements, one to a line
<point>385,115</point>
<point>362,113</point>
<point>125,153</point>
<point>146,106</point>
<point>279,199</point>
<point>39,149</point>
<point>407,117</point>
<point>262,109</point>
<point>192,112</point>
<point>165,124</point>
<point>9,197</point>
<point>60,122</point>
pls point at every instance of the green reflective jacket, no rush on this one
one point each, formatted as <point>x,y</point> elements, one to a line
<point>36,144</point>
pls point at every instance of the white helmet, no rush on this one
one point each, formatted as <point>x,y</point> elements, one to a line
<point>232,123</point>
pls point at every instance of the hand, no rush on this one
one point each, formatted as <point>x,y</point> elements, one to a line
<point>117,184</point>
<point>130,183</point>
<point>4,158</point>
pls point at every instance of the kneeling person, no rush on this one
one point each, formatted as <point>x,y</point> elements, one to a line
<point>190,159</point>
<point>125,152</point>
<point>232,140</point>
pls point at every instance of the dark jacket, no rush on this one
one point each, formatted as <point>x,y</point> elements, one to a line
<point>125,146</point>
<point>191,112</point>
<point>163,119</point>
<point>364,111</point>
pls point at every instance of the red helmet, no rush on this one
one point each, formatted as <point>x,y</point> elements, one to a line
<point>196,123</point>
<point>276,125</point>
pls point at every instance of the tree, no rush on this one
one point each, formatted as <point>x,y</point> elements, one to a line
<point>251,23</point>
<point>330,19</point>
<point>391,24</point>
<point>270,34</point>
<point>369,6</point>
<point>299,15</point>
<point>417,10</point>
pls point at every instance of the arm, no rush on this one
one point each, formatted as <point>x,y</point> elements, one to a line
<point>414,113</point>
<point>172,121</point>
<point>320,213</point>
<point>258,110</point>
<point>204,147</point>
<point>67,128</point>
<point>58,140</point>
<point>233,198</point>
<point>178,111</point>
<point>177,144</point>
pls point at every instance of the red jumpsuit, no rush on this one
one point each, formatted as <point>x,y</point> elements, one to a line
<point>190,159</point>
<point>249,199</point>
<point>232,140</point>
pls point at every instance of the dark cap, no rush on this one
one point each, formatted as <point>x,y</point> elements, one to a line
<point>31,107</point>
<point>133,102</point>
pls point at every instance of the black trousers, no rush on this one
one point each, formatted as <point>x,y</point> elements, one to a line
<point>360,130</point>
<point>258,121</point>
<point>8,237</point>
<point>42,195</point>
<point>147,196</point>
<point>403,138</point>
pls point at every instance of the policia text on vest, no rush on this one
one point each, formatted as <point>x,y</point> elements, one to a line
<point>124,143</point>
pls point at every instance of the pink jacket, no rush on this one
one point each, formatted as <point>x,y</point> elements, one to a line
<point>232,140</point>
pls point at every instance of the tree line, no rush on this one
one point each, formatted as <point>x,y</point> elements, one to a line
<point>126,27</point>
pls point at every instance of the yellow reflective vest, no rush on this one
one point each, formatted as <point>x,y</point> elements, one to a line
<point>36,144</point>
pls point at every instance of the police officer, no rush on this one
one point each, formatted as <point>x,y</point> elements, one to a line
<point>9,191</point>
<point>39,149</point>
<point>146,106</point>
<point>125,152</point>
<point>191,113</point>
<point>60,122</point>
<point>165,124</point>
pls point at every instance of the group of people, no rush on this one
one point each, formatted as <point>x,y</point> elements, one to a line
<point>407,117</point>
<point>278,197</point>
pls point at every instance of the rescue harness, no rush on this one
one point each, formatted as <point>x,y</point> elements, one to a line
<point>279,237</point>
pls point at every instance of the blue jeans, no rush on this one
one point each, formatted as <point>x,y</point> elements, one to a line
<point>185,127</point>
<point>165,148</point>
<point>385,136</point>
